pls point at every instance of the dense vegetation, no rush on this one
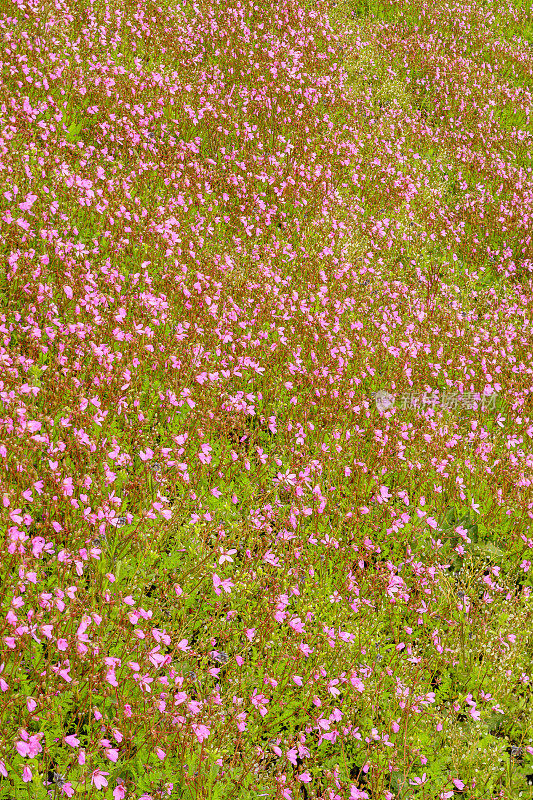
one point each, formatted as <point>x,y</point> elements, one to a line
<point>267,400</point>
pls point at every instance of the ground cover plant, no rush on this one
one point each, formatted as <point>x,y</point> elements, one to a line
<point>267,400</point>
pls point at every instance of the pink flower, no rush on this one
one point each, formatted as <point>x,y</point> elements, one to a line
<point>394,584</point>
<point>270,558</point>
<point>110,677</point>
<point>201,732</point>
<point>30,748</point>
<point>418,781</point>
<point>72,741</point>
<point>97,778</point>
<point>119,792</point>
<point>22,748</point>
<point>144,682</point>
<point>226,585</point>
<point>27,775</point>
<point>305,777</point>
<point>259,700</point>
<point>112,754</point>
<point>34,745</point>
<point>160,753</point>
<point>292,755</point>
<point>297,625</point>
<point>384,494</point>
<point>357,794</point>
<point>226,556</point>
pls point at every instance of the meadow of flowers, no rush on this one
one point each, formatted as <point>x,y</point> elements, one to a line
<point>266,424</point>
